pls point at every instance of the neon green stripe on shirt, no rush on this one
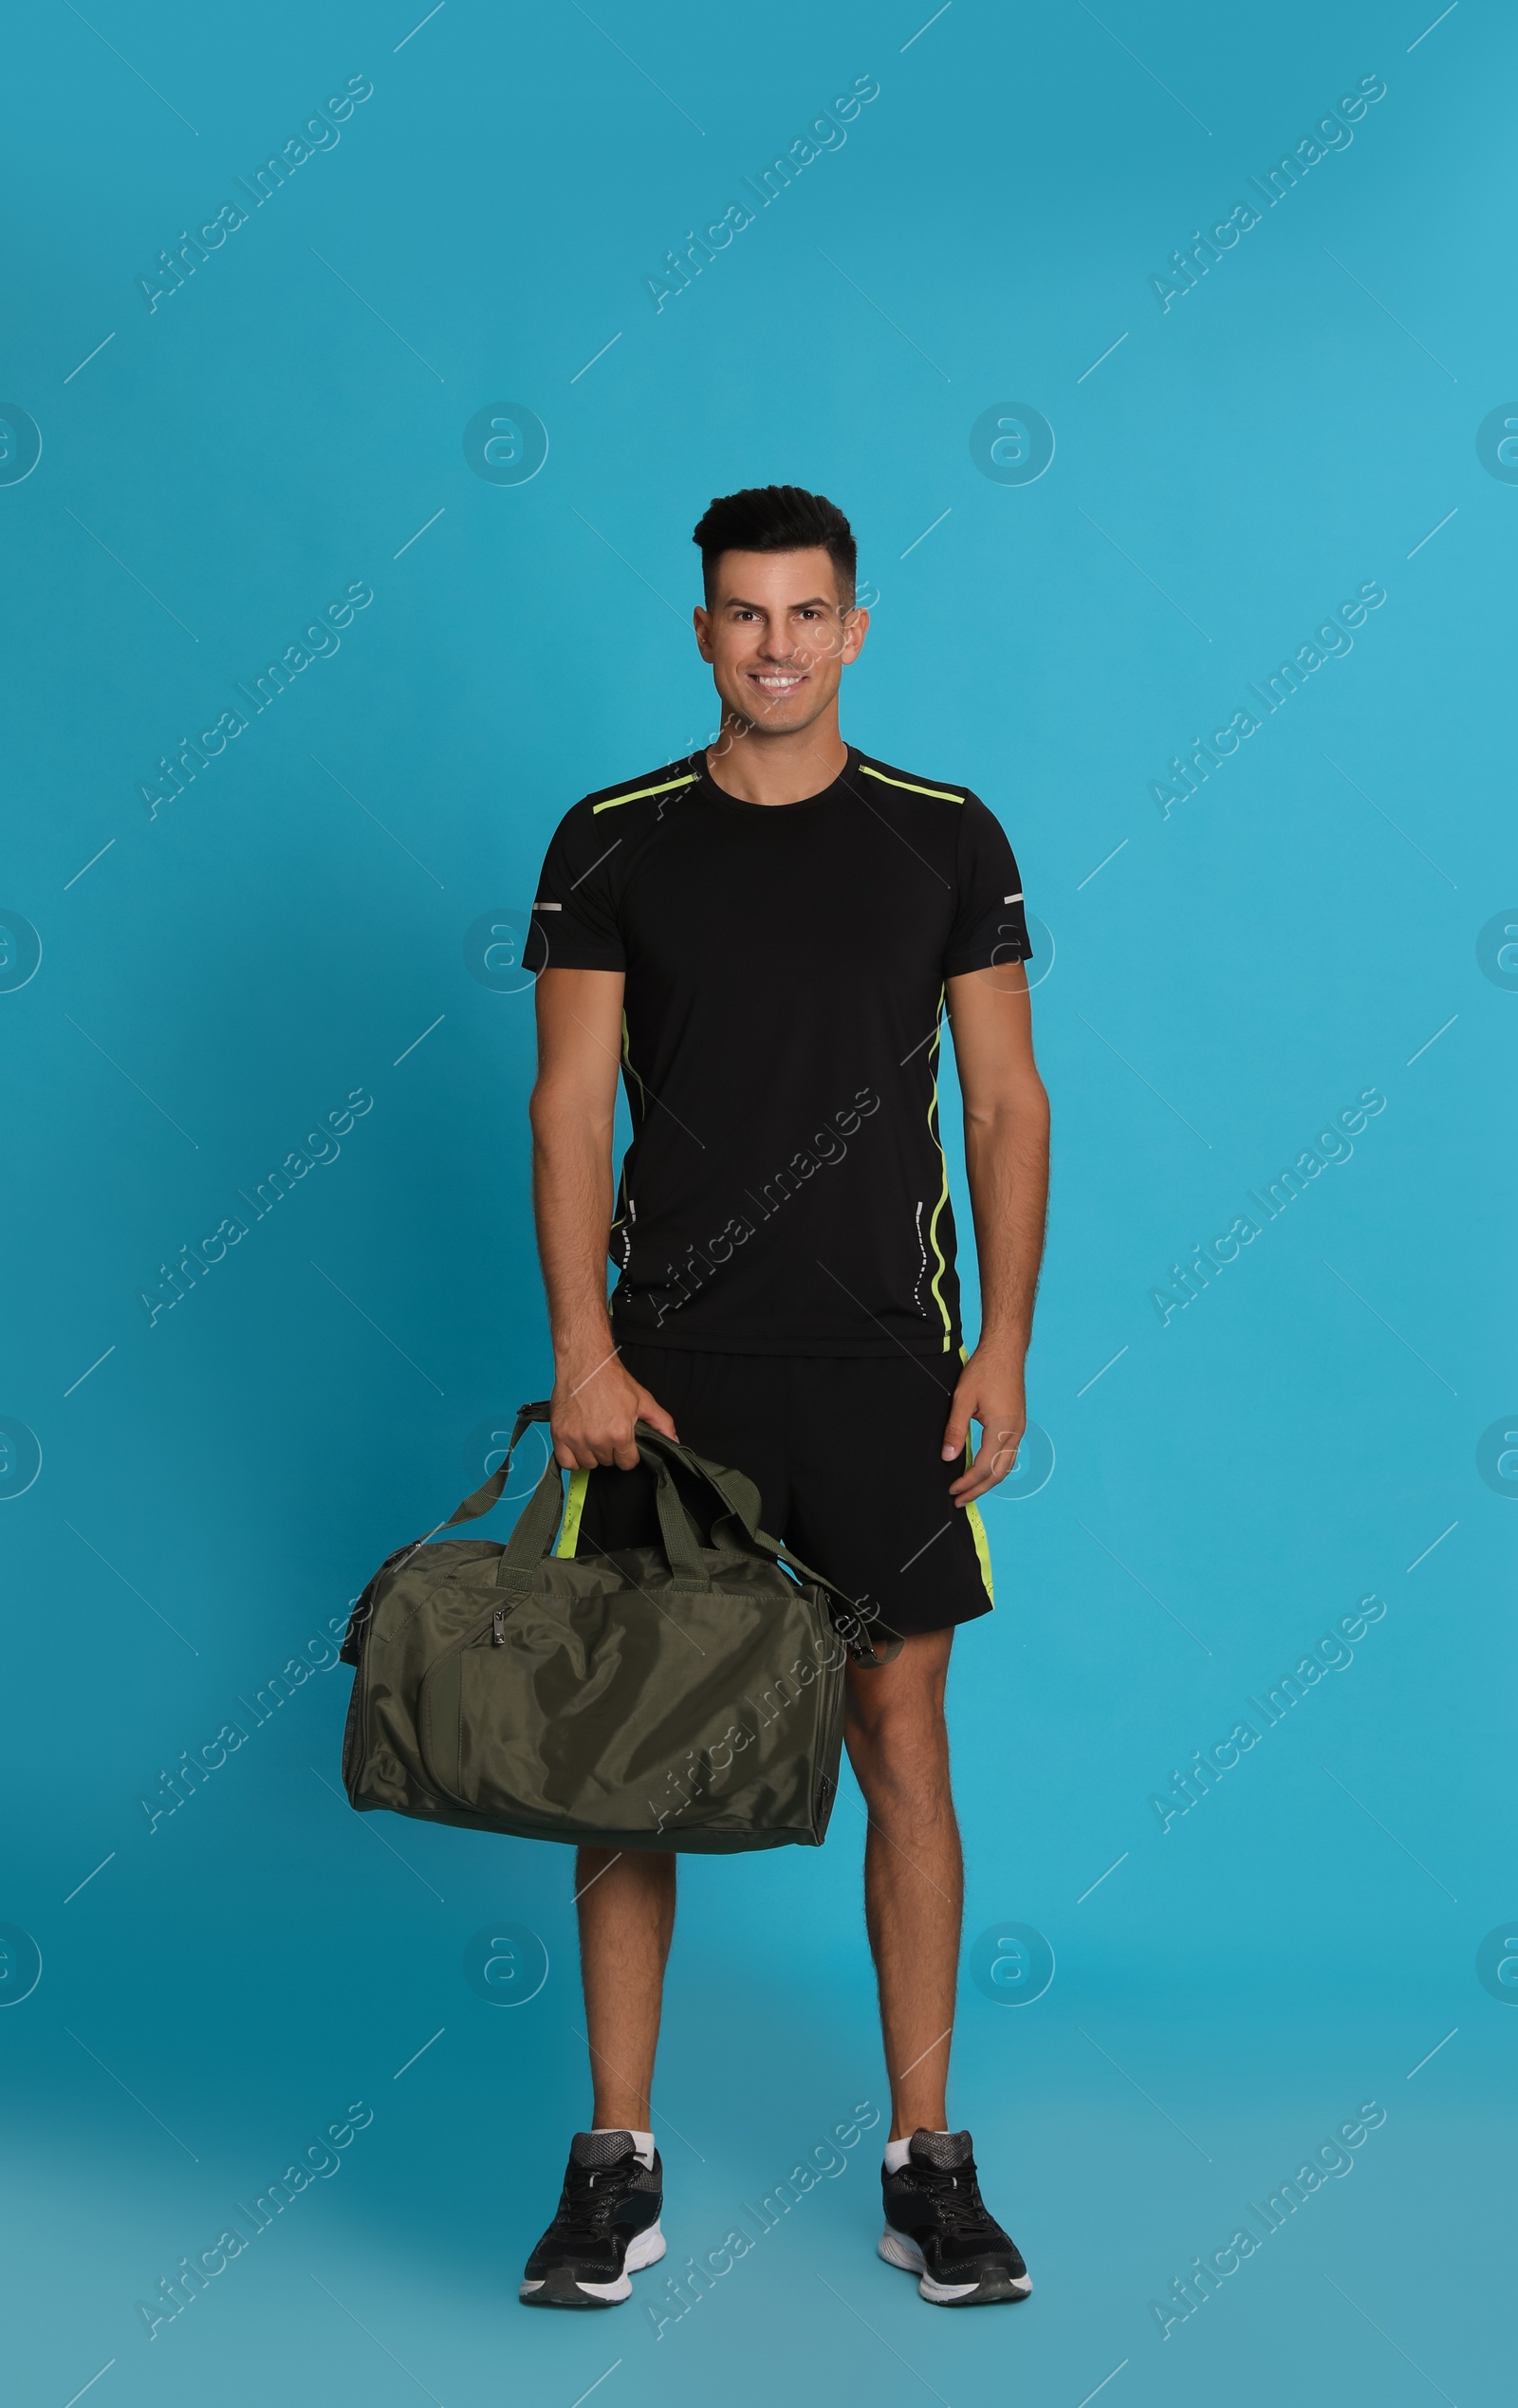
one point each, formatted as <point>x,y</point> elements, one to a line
<point>615,802</point>
<point>937,792</point>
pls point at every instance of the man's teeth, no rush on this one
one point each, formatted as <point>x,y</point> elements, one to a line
<point>779,683</point>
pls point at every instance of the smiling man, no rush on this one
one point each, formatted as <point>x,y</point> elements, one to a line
<point>764,939</point>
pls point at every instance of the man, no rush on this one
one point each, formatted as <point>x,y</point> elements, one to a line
<point>763,939</point>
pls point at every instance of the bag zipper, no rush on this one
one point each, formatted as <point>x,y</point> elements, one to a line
<point>467,1638</point>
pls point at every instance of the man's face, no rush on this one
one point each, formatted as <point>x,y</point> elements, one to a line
<point>778,637</point>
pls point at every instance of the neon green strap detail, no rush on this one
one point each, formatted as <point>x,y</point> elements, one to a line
<point>616,801</point>
<point>982,1546</point>
<point>937,792</point>
<point>977,1528</point>
<point>569,1532</point>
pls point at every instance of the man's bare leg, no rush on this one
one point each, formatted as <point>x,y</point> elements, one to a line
<point>914,1876</point>
<point>606,2227</point>
<point>626,1903</point>
<point>938,2224</point>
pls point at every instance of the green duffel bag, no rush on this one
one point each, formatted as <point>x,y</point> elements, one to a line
<point>685,1698</point>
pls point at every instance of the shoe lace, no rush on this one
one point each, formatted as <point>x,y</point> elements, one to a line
<point>591,2194</point>
<point>956,2196</point>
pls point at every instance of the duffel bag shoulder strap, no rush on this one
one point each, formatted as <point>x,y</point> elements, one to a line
<point>870,1648</point>
<point>480,1501</point>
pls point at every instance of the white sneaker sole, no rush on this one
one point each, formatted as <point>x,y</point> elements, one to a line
<point>646,2249</point>
<point>897,2250</point>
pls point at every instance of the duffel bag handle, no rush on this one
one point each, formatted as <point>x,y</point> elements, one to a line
<point>742,1499</point>
<point>683,1542</point>
<point>540,1519</point>
<point>533,1535</point>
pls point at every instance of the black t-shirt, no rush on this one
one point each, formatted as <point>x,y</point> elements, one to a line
<point>784,1191</point>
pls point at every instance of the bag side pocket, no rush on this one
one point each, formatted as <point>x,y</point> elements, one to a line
<point>439,1733</point>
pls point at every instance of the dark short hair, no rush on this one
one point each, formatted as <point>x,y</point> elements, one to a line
<point>777,518</point>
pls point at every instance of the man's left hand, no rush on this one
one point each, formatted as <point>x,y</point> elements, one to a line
<point>989,1390</point>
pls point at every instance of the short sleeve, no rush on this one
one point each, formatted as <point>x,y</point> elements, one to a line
<point>574,913</point>
<point>990,925</point>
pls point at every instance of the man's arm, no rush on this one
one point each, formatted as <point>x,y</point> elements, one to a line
<point>573,1108</point>
<point>1006,1156</point>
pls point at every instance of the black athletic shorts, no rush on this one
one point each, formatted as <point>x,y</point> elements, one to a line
<point>846,1454</point>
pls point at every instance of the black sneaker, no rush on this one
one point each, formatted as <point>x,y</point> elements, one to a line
<point>939,2228</point>
<point>606,2226</point>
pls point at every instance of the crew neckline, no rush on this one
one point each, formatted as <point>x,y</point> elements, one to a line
<point>778,810</point>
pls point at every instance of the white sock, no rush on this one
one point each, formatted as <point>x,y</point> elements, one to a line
<point>642,2141</point>
<point>897,2152</point>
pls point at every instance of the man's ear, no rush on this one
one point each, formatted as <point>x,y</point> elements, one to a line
<point>701,621</point>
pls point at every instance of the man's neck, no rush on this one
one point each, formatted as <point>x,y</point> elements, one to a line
<point>777,770</point>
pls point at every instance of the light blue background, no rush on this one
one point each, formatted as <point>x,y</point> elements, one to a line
<point>219,1485</point>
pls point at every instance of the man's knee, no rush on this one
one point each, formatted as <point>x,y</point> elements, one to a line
<point>899,1749</point>
<point>903,1702</point>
